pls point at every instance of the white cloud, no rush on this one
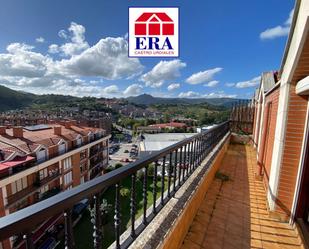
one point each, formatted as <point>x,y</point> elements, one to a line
<point>173,86</point>
<point>53,49</point>
<point>40,40</point>
<point>21,61</point>
<point>108,58</point>
<point>278,31</point>
<point>22,68</point>
<point>134,89</point>
<point>112,89</point>
<point>249,83</point>
<point>289,20</point>
<point>77,44</point>
<point>212,83</point>
<point>203,76</point>
<point>163,71</point>
<point>189,94</point>
<point>275,32</point>
<point>230,84</point>
<point>63,34</point>
<point>220,94</point>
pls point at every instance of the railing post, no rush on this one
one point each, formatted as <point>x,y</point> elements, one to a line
<point>145,195</point>
<point>154,189</point>
<point>28,240</point>
<point>68,230</point>
<point>179,167</point>
<point>162,181</point>
<point>184,163</point>
<point>175,171</point>
<point>169,176</point>
<point>133,205</point>
<point>97,223</point>
<point>191,156</point>
<point>117,215</point>
<point>195,153</point>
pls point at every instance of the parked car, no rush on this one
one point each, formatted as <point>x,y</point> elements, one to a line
<point>126,151</point>
<point>160,173</point>
<point>80,207</point>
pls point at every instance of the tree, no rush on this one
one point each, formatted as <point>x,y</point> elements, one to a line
<point>140,174</point>
<point>118,165</point>
<point>151,169</point>
<point>124,192</point>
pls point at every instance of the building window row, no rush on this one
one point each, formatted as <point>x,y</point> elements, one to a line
<point>67,163</point>
<point>19,185</point>
<point>68,178</point>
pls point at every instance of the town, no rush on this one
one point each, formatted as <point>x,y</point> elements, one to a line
<point>209,149</point>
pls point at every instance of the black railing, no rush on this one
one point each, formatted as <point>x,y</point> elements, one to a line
<point>170,167</point>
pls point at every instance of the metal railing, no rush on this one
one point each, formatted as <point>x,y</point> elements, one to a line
<point>170,166</point>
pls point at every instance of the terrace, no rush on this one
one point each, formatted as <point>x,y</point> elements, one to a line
<point>209,198</point>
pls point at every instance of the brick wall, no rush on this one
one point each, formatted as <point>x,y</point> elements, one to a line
<point>254,121</point>
<point>295,130</point>
<point>76,169</point>
<point>268,135</point>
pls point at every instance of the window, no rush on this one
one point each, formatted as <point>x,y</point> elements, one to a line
<point>83,154</point>
<point>83,167</point>
<point>67,163</point>
<point>68,178</point>
<point>82,179</point>
<point>43,173</point>
<point>79,141</point>
<point>44,189</point>
<point>19,185</point>
<point>62,148</point>
<point>91,136</point>
<point>41,155</point>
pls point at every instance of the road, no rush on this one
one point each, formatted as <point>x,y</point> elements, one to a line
<point>120,154</point>
<point>124,130</point>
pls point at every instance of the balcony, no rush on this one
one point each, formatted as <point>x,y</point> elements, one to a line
<point>30,190</point>
<point>203,195</point>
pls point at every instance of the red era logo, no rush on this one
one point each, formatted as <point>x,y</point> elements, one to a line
<point>157,23</point>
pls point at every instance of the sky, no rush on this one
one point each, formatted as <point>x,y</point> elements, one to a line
<point>79,48</point>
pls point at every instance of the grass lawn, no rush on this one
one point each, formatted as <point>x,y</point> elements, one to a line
<point>83,230</point>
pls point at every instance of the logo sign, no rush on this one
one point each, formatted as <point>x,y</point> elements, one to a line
<point>153,32</point>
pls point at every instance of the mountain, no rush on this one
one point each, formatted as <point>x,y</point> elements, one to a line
<point>11,99</point>
<point>147,99</point>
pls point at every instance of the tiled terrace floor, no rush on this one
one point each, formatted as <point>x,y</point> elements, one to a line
<point>234,212</point>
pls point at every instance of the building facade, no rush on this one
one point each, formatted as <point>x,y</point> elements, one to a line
<point>40,161</point>
<point>281,128</point>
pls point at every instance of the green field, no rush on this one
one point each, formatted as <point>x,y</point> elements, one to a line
<point>83,230</point>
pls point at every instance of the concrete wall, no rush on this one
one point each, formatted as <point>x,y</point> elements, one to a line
<point>180,229</point>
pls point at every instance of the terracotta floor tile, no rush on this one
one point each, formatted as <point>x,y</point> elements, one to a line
<point>234,214</point>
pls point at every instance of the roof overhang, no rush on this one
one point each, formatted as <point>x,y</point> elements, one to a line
<point>302,86</point>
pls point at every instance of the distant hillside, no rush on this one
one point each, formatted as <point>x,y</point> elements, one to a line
<point>146,99</point>
<point>11,99</point>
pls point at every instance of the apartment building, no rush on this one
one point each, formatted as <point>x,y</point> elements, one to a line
<point>281,131</point>
<point>39,161</point>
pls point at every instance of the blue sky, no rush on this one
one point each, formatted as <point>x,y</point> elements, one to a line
<point>80,48</point>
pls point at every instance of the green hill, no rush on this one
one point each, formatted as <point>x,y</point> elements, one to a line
<point>146,99</point>
<point>10,99</point>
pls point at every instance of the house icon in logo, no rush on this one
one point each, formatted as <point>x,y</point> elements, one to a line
<point>157,23</point>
